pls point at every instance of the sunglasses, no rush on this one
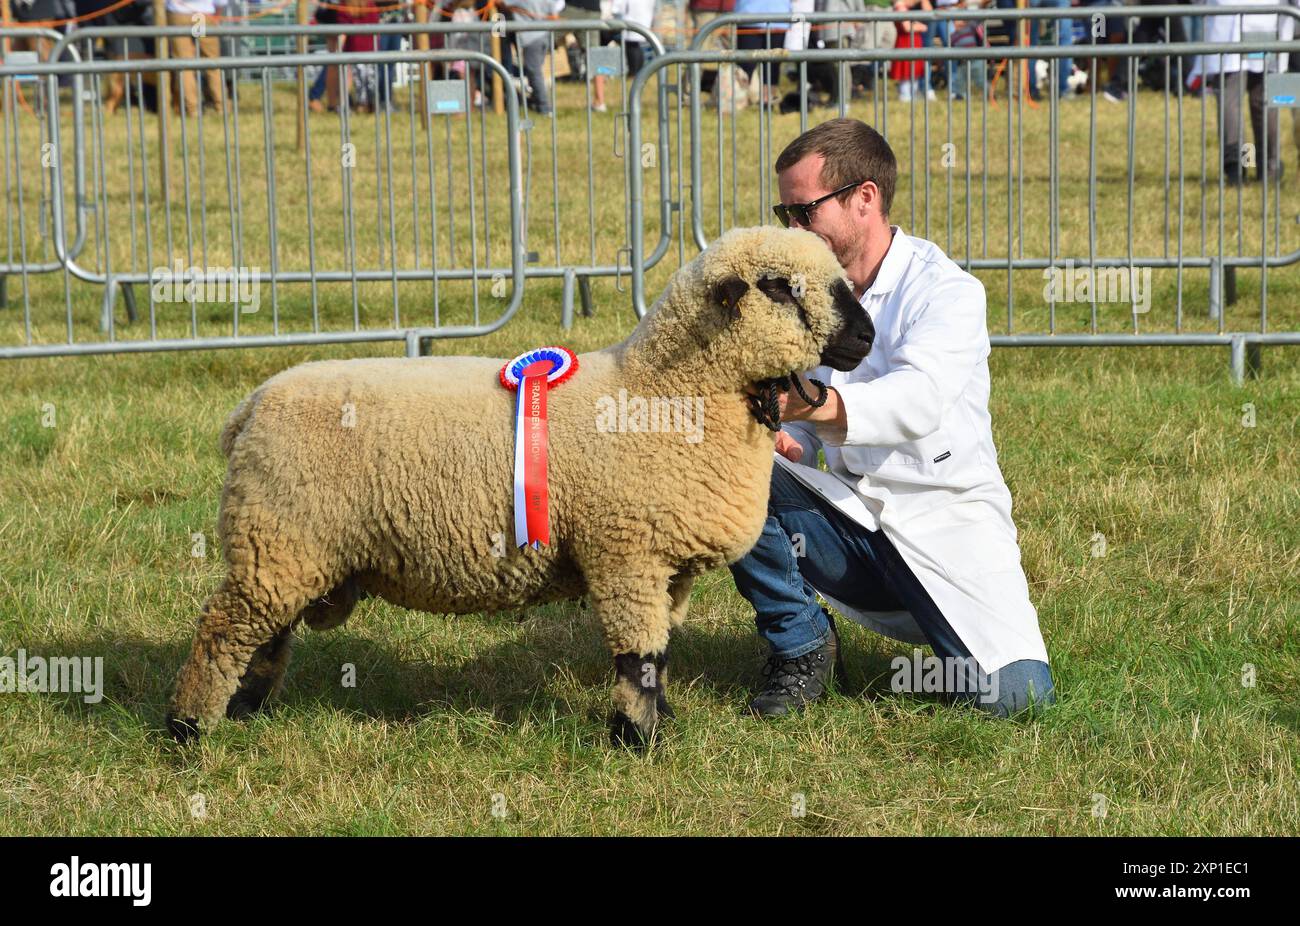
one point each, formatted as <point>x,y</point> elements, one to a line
<point>802,212</point>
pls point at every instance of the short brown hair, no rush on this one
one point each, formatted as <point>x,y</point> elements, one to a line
<point>852,151</point>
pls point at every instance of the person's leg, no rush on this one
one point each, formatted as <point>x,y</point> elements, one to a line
<point>214,78</point>
<point>1035,28</point>
<point>1117,87</point>
<point>1016,687</point>
<point>1263,119</point>
<point>943,32</point>
<point>635,59</point>
<point>1228,92</point>
<point>806,543</point>
<point>1003,693</point>
<point>318,87</point>
<point>698,20</point>
<point>183,47</point>
<point>387,73</point>
<point>535,69</point>
<point>798,544</point>
<point>749,41</point>
<point>1061,33</point>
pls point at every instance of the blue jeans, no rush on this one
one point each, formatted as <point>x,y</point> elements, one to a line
<point>1048,28</point>
<point>943,32</point>
<point>861,568</point>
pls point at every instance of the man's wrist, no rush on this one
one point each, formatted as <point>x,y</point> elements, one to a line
<point>831,420</point>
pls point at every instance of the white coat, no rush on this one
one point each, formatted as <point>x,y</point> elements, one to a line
<point>918,461</point>
<point>1229,29</point>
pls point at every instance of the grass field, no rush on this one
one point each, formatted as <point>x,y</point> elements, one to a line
<point>1176,653</point>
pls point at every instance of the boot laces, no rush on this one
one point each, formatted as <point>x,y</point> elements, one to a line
<point>790,675</point>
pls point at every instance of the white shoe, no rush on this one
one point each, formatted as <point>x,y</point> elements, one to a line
<point>929,95</point>
<point>598,107</point>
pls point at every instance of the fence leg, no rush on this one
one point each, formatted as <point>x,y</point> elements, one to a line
<point>106,309</point>
<point>1216,290</point>
<point>566,299</point>
<point>128,297</point>
<point>1246,358</point>
<point>1254,359</point>
<point>4,290</point>
<point>412,344</point>
<point>584,291</point>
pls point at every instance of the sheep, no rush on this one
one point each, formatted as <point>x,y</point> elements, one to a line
<point>411,498</point>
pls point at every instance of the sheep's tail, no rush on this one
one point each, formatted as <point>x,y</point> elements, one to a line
<point>236,422</point>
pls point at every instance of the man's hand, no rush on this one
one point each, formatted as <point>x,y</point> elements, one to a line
<point>830,419</point>
<point>788,447</point>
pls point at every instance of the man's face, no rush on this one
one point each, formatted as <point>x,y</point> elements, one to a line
<point>843,226</point>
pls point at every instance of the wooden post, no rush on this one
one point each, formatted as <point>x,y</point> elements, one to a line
<point>6,19</point>
<point>304,16</point>
<point>422,44</point>
<point>498,94</point>
<point>1022,65</point>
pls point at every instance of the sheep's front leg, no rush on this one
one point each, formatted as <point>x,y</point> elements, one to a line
<point>633,609</point>
<point>638,699</point>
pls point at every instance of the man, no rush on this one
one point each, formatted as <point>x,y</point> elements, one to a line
<point>190,13</point>
<point>910,532</point>
<point>1230,76</point>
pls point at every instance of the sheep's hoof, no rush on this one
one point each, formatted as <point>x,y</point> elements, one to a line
<point>624,732</point>
<point>182,730</point>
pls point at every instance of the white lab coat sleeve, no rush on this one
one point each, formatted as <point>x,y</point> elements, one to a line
<point>929,370</point>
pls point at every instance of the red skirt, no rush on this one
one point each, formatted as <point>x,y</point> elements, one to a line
<point>908,70</point>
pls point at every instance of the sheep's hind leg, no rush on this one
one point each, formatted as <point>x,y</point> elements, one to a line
<point>330,611</point>
<point>263,677</point>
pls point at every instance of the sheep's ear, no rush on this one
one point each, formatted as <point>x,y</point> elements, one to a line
<point>728,293</point>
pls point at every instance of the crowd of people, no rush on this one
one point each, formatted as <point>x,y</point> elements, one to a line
<point>526,53</point>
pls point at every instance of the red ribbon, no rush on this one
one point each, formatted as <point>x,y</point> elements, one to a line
<point>532,419</point>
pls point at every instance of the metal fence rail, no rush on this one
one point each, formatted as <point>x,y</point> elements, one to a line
<point>421,195</point>
<point>215,220</point>
<point>550,178</point>
<point>969,180</point>
<point>28,248</point>
<point>429,216</point>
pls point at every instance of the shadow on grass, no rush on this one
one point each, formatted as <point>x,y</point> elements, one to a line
<point>508,667</point>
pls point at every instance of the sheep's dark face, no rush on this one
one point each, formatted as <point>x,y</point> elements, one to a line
<point>783,300</point>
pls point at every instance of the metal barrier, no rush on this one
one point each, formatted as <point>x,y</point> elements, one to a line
<point>335,202</point>
<point>158,226</point>
<point>29,249</point>
<point>958,190</point>
<point>465,240</point>
<point>547,254</point>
